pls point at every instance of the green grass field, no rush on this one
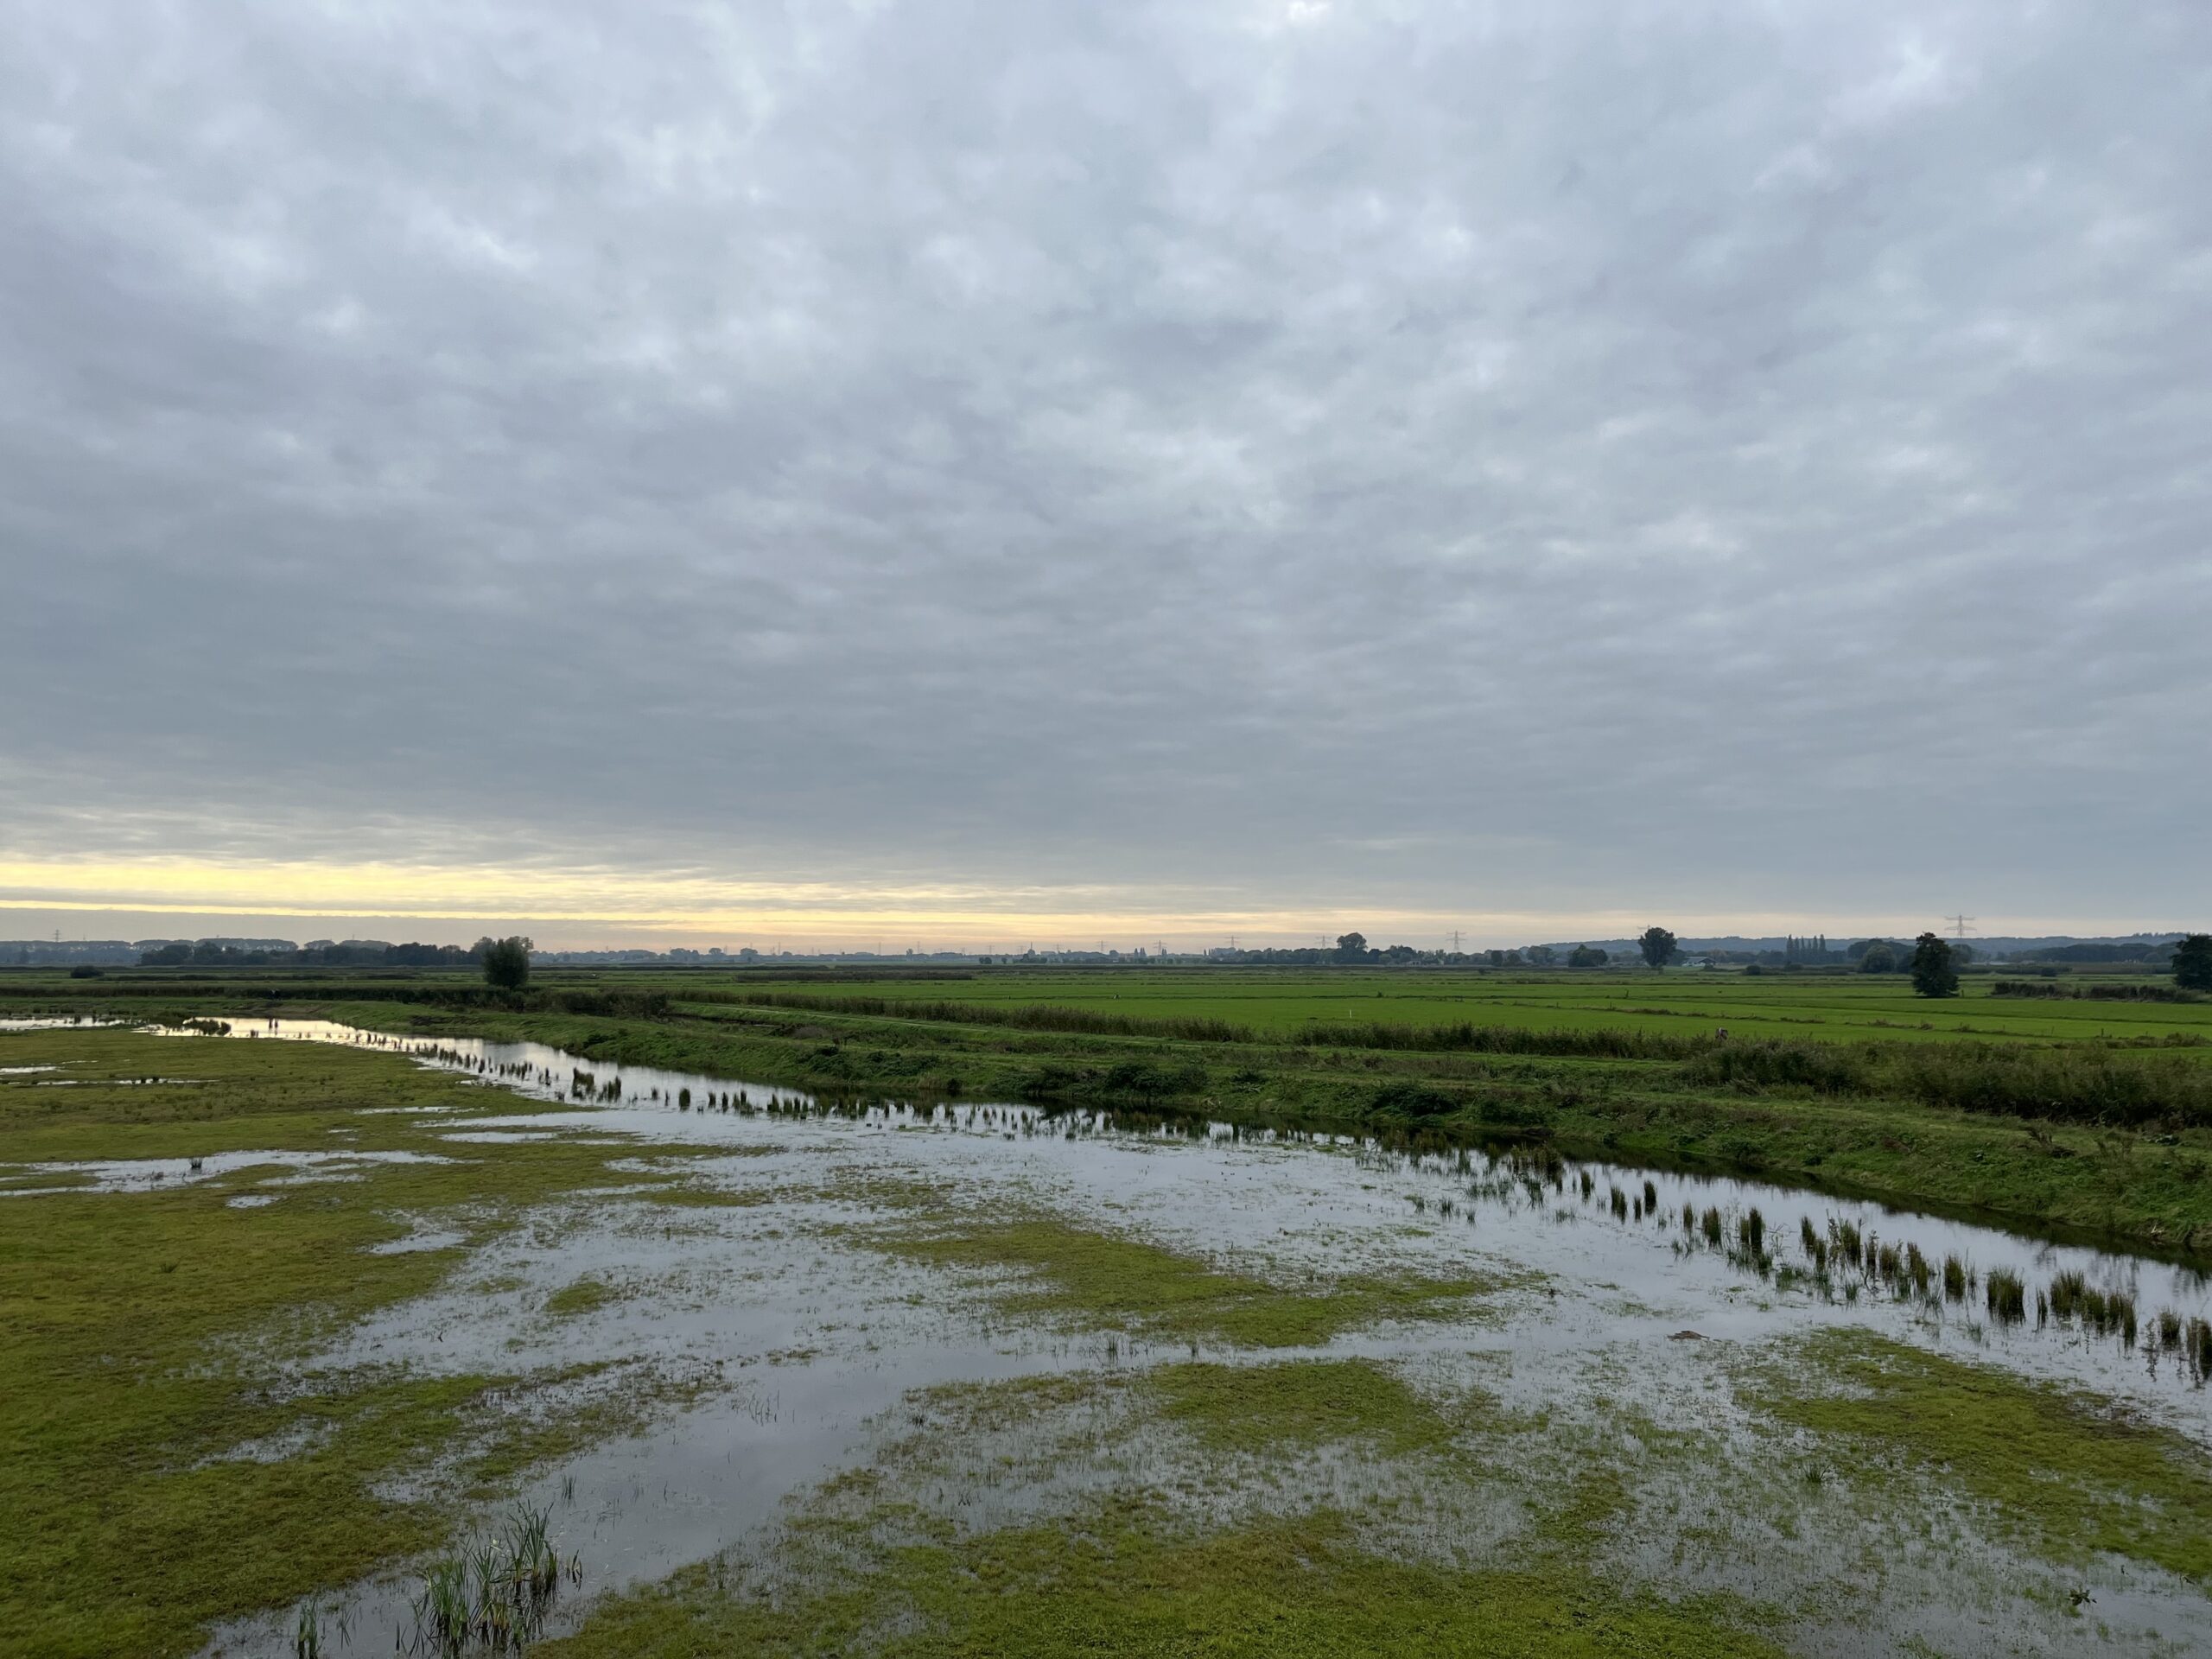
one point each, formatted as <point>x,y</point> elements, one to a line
<point>1831,1008</point>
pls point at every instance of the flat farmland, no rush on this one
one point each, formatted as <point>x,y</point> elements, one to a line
<point>1284,1002</point>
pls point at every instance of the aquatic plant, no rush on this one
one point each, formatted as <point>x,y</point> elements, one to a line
<point>1954,1278</point>
<point>1846,1235</point>
<point>1711,1227</point>
<point>1889,1263</point>
<point>2068,1292</point>
<point>491,1594</point>
<point>2008,1296</point>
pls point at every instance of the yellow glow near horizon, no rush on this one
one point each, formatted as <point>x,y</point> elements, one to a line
<point>690,904</point>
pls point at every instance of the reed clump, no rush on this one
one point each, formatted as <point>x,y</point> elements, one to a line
<point>2008,1296</point>
<point>492,1593</point>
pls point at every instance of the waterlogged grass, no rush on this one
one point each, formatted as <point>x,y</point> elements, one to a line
<point>2068,1473</point>
<point>1127,1578</point>
<point>165,1457</point>
<point>2089,1140</point>
<point>1298,1403</point>
<point>1051,1270</point>
<point>582,1296</point>
<point>2047,1114</point>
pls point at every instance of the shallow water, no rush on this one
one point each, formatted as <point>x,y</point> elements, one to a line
<point>809,1347</point>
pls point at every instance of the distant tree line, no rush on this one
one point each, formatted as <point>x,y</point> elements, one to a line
<point>1353,950</point>
<point>2147,951</point>
<point>320,953</point>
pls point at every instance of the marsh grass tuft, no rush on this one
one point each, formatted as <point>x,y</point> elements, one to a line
<point>2008,1296</point>
<point>491,1594</point>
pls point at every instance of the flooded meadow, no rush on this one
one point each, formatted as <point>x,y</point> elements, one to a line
<point>770,1346</point>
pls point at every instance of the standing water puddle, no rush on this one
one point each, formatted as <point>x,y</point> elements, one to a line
<point>762,1301</point>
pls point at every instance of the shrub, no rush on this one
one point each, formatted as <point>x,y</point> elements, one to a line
<point>506,962</point>
<point>2075,1084</point>
<point>1763,1063</point>
<point>1406,1098</point>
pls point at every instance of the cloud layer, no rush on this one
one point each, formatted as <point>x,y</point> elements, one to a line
<point>1115,461</point>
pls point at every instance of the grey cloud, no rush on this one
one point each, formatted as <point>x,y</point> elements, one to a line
<point>1434,453</point>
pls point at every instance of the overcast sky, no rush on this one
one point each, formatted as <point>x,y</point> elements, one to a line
<point>992,471</point>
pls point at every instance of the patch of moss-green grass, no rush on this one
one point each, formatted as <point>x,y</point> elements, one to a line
<point>1298,1402</point>
<point>581,1296</point>
<point>2072,1474</point>
<point>1124,1577</point>
<point>1107,1281</point>
<point>167,1459</point>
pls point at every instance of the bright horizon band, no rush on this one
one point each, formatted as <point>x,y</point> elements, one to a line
<point>684,905</point>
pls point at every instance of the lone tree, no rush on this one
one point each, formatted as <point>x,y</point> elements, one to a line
<point>1658,947</point>
<point>1932,972</point>
<point>2193,962</point>
<point>506,962</point>
<point>1351,947</point>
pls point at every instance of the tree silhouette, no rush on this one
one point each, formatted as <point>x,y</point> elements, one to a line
<point>1658,945</point>
<point>1932,972</point>
<point>2193,962</point>
<point>506,962</point>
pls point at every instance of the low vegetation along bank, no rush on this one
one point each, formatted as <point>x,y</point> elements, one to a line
<point>2109,1135</point>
